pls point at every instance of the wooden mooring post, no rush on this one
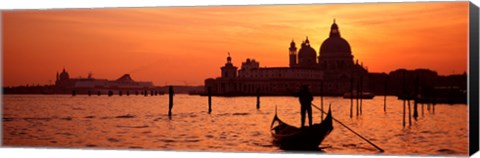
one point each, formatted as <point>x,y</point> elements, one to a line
<point>404,95</point>
<point>415,98</point>
<point>357,96</point>
<point>258,98</point>
<point>404,108</point>
<point>209,91</point>
<point>351,95</point>
<point>321,98</point>
<point>361,94</point>
<point>170,101</point>
<point>409,114</point>
<point>434,101</point>
<point>385,95</point>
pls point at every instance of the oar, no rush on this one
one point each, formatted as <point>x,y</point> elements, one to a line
<point>380,149</point>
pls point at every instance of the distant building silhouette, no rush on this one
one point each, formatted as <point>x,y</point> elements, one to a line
<point>446,89</point>
<point>334,67</point>
<point>65,84</point>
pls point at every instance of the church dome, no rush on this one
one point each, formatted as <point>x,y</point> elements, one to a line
<point>64,75</point>
<point>307,52</point>
<point>335,43</point>
<point>307,56</point>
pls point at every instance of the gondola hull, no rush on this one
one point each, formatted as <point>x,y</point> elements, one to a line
<point>288,137</point>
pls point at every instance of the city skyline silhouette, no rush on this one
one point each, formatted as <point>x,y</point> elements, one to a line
<point>169,46</point>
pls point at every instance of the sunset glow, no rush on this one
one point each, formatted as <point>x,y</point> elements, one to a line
<point>186,45</point>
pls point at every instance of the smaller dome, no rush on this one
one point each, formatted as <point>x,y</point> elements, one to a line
<point>229,59</point>
<point>64,75</point>
<point>292,44</point>
<point>307,52</point>
<point>307,56</point>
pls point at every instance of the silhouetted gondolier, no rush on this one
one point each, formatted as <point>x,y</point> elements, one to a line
<point>170,103</point>
<point>305,97</point>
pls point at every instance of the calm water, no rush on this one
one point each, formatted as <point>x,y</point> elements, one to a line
<point>138,122</point>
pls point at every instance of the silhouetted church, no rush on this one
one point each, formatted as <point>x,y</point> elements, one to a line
<point>333,68</point>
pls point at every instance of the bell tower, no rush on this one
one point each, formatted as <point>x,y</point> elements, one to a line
<point>229,71</point>
<point>293,54</point>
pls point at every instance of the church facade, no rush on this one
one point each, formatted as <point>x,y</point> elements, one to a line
<point>332,72</point>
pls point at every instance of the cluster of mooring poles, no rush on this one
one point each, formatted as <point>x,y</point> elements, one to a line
<point>120,93</point>
<point>356,94</point>
<point>170,97</point>
<point>407,96</point>
<point>348,128</point>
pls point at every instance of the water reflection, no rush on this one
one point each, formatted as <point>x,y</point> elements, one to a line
<point>134,122</point>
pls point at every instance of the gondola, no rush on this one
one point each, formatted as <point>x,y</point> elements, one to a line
<point>288,137</point>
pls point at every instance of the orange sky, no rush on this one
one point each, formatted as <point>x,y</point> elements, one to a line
<point>185,45</point>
